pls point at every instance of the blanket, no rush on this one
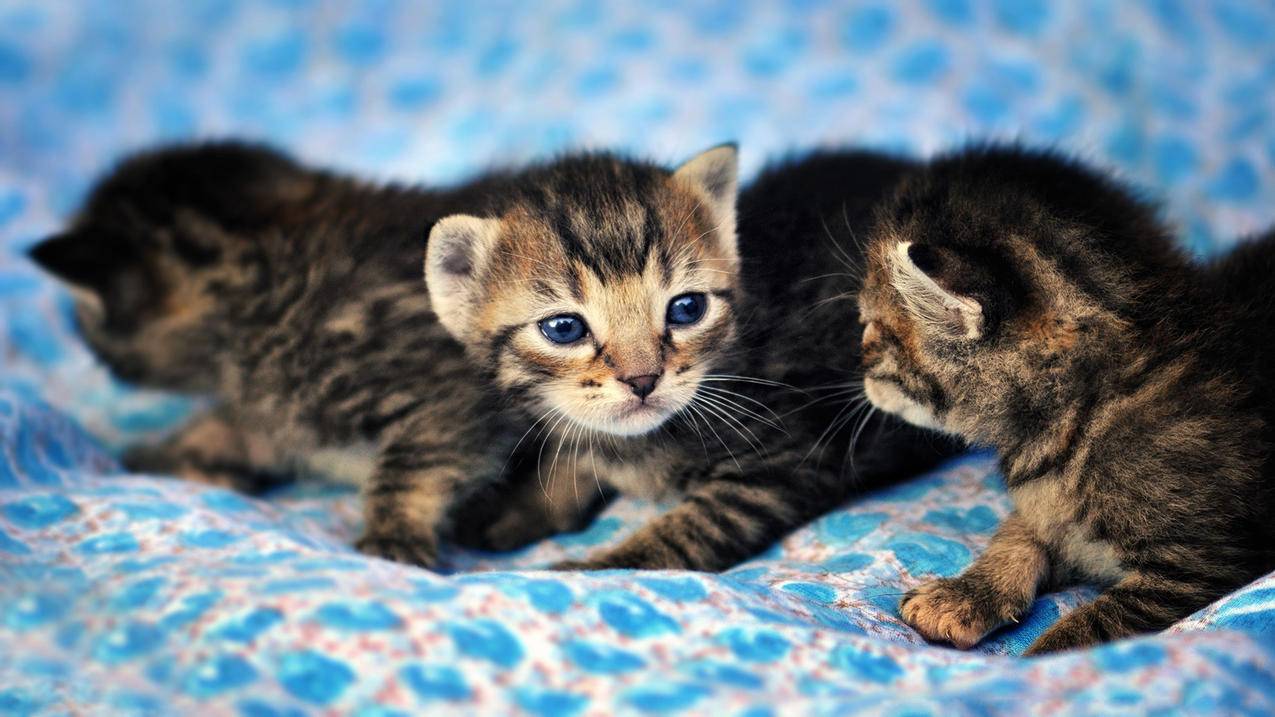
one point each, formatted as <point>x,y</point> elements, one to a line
<point>133,594</point>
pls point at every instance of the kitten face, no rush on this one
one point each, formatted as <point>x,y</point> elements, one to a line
<point>987,285</point>
<point>601,296</point>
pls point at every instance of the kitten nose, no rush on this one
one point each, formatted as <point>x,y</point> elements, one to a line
<point>642,386</point>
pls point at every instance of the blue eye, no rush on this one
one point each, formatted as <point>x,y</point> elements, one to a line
<point>686,309</point>
<point>563,329</point>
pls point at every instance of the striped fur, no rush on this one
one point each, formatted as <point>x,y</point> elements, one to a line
<point>1021,301</point>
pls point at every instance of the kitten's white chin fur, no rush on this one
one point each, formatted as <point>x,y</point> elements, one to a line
<point>634,420</point>
<point>630,418</point>
<point>890,399</point>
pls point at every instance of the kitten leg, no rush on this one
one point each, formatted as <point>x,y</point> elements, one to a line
<point>410,495</point>
<point>997,588</point>
<point>214,449</point>
<point>1139,603</point>
<point>719,524</point>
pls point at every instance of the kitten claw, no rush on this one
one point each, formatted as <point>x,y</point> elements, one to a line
<point>941,610</point>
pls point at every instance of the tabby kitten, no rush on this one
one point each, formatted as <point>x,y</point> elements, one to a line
<point>295,297</point>
<point>1022,301</point>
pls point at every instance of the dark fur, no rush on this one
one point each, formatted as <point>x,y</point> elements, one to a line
<point>1127,389</point>
<point>295,297</point>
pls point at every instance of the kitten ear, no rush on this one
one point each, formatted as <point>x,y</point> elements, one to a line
<point>456,251</point>
<point>715,173</point>
<point>79,260</point>
<point>929,302</point>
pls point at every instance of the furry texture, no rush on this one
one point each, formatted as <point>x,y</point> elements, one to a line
<point>1022,301</point>
<point>295,297</point>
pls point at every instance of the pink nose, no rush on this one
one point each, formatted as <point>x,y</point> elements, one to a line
<point>642,386</point>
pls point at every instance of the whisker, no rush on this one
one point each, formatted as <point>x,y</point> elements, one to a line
<point>694,424</point>
<point>863,247</point>
<point>830,299</point>
<point>716,435</point>
<point>541,454</point>
<point>858,412</point>
<point>710,231</point>
<point>747,379</point>
<point>829,276</point>
<point>741,396</point>
<point>834,426</point>
<point>854,439</point>
<point>733,423</point>
<point>514,450</point>
<point>852,393</point>
<point>562,438</point>
<point>856,383</point>
<point>575,464</point>
<point>842,254</point>
<point>722,395</point>
<point>593,458</point>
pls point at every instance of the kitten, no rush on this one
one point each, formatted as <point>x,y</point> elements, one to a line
<point>777,432</point>
<point>1022,301</point>
<point>592,303</point>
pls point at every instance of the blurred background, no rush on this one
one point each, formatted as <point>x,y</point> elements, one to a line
<point>1178,96</point>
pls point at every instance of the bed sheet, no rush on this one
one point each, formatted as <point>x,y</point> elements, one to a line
<point>129,594</point>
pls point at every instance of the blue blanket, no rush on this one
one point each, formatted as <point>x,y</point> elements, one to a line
<point>128,594</point>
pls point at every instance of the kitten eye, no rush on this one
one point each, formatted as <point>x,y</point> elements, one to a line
<point>563,328</point>
<point>686,309</point>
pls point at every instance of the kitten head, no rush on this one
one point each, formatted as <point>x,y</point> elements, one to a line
<point>998,282</point>
<point>602,292</point>
<point>144,266</point>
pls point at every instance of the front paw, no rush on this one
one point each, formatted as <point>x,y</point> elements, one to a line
<point>411,549</point>
<point>951,610</point>
<point>1076,630</point>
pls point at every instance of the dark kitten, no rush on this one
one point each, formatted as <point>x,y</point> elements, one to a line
<point>1021,301</point>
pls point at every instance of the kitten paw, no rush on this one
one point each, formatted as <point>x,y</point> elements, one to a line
<point>413,550</point>
<point>949,610</point>
<point>1073,632</point>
